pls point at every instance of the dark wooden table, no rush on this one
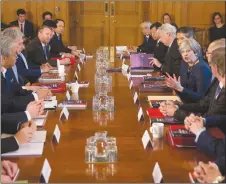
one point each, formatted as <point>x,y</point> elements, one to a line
<point>67,159</point>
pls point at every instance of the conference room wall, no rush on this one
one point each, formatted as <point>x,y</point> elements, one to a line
<point>191,13</point>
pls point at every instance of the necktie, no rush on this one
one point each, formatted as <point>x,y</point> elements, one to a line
<point>24,60</point>
<point>45,52</point>
<point>8,81</point>
<point>147,39</point>
<point>58,37</point>
<point>218,90</point>
<point>21,28</point>
<point>15,73</point>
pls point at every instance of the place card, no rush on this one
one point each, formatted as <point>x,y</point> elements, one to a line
<point>131,84</point>
<point>125,67</point>
<point>45,173</point>
<point>16,175</point>
<point>140,114</point>
<point>145,139</point>
<point>157,174</point>
<point>121,56</point>
<point>135,98</point>
<point>76,75</point>
<point>123,60</point>
<point>57,134</point>
<point>68,96</point>
<point>79,67</point>
<point>64,113</point>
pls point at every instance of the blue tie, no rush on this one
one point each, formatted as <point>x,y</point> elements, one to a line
<point>15,73</point>
<point>7,77</point>
<point>45,52</point>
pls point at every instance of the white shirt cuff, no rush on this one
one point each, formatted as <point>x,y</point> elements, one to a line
<point>35,96</point>
<point>177,107</point>
<point>16,141</point>
<point>23,87</point>
<point>28,115</point>
<point>198,134</point>
<point>41,70</point>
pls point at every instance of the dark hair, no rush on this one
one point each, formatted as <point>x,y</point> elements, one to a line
<point>20,12</point>
<point>214,15</point>
<point>58,20</point>
<point>156,25</point>
<point>49,23</point>
<point>165,15</point>
<point>46,13</point>
<point>43,27</point>
<point>188,31</point>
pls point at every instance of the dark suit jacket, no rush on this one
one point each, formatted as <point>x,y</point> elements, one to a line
<point>208,144</point>
<point>9,144</point>
<point>17,94</point>
<point>28,28</point>
<point>147,47</point>
<point>3,26</point>
<point>31,74</point>
<point>57,46</point>
<point>160,52</point>
<point>195,82</point>
<point>217,121</point>
<point>172,60</point>
<point>35,53</point>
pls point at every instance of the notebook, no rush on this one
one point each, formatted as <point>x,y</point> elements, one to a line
<point>141,62</point>
<point>74,104</point>
<point>28,149</point>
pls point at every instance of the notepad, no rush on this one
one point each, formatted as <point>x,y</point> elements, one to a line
<point>42,116</point>
<point>176,98</point>
<point>38,137</point>
<point>28,149</point>
<point>50,104</point>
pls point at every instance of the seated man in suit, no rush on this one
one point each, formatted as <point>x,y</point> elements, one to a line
<point>56,44</point>
<point>47,16</point>
<point>8,171</point>
<point>22,69</point>
<point>148,44</point>
<point>38,50</point>
<point>8,85</point>
<point>184,33</point>
<point>173,57</point>
<point>160,49</point>
<point>167,20</point>
<point>26,27</point>
<point>3,26</point>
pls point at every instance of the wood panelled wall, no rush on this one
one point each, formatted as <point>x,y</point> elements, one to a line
<point>191,13</point>
<point>34,11</point>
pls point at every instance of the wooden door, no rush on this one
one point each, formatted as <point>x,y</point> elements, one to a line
<point>91,25</point>
<point>125,18</point>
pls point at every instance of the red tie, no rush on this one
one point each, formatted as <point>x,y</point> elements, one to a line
<point>21,28</point>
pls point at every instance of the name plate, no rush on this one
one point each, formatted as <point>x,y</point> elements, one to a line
<point>135,98</point>
<point>46,171</point>
<point>64,113</point>
<point>76,75</point>
<point>131,84</point>
<point>157,174</point>
<point>145,139</point>
<point>79,67</point>
<point>57,134</point>
<point>140,114</point>
<point>68,96</point>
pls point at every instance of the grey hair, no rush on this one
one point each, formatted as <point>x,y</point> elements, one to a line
<point>6,44</point>
<point>168,28</point>
<point>192,44</point>
<point>217,44</point>
<point>146,22</point>
<point>13,33</point>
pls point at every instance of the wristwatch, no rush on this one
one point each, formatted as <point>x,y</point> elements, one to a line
<point>219,179</point>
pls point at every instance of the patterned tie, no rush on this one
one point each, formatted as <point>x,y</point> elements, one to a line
<point>7,77</point>
<point>45,52</point>
<point>218,90</point>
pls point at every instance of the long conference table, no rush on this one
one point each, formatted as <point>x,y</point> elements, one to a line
<point>135,164</point>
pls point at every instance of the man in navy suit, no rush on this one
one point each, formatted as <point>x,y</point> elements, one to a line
<point>149,44</point>
<point>25,26</point>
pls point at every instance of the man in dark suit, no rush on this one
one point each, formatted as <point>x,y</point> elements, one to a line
<point>38,50</point>
<point>214,101</point>
<point>148,44</point>
<point>173,57</point>
<point>160,49</point>
<point>25,26</point>
<point>47,16</point>
<point>184,33</point>
<point>3,26</point>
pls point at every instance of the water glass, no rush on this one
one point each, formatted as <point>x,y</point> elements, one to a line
<point>110,103</point>
<point>90,153</point>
